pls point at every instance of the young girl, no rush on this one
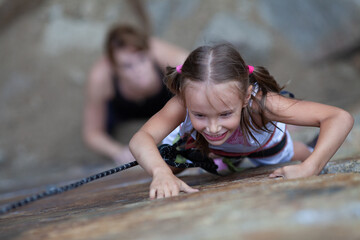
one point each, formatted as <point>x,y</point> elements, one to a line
<point>232,109</point>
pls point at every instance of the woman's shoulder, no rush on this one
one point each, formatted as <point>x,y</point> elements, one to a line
<point>166,53</point>
<point>101,69</point>
<point>99,79</point>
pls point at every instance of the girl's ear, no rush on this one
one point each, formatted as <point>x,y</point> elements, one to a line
<point>248,96</point>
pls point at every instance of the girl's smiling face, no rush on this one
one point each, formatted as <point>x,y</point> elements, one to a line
<point>214,109</point>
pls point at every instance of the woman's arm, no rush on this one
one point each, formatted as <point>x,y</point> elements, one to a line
<point>334,123</point>
<point>98,91</point>
<point>167,54</point>
<point>143,146</point>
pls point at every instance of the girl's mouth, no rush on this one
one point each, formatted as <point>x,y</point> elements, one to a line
<point>215,138</point>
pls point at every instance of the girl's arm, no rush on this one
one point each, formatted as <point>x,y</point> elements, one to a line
<point>143,146</point>
<point>335,124</point>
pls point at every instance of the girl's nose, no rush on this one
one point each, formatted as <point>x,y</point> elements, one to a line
<point>213,127</point>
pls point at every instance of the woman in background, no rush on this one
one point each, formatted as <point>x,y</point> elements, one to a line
<point>126,84</point>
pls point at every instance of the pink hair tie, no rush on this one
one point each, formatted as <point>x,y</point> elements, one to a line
<point>178,68</point>
<point>251,69</point>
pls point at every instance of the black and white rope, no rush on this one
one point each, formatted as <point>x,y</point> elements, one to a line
<point>168,153</point>
<point>57,190</point>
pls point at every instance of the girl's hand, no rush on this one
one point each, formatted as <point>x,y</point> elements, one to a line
<point>167,185</point>
<point>293,171</point>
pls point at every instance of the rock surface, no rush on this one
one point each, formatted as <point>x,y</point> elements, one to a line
<point>46,53</point>
<point>245,205</point>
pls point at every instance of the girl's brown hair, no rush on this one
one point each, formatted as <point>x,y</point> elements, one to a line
<point>123,36</point>
<point>218,64</point>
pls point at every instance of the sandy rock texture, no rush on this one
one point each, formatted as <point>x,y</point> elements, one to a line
<point>47,49</point>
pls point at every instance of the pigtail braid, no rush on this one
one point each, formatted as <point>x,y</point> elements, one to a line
<point>266,84</point>
<point>172,80</point>
<point>245,123</point>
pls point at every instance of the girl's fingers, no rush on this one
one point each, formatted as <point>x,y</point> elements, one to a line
<point>278,173</point>
<point>175,191</point>
<point>186,188</point>
<point>167,193</point>
<point>160,193</point>
<point>170,191</point>
<point>152,193</point>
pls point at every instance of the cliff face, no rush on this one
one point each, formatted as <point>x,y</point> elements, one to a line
<point>47,49</point>
<point>245,205</point>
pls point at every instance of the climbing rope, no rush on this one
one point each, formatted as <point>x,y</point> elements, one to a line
<point>170,153</point>
<point>57,190</point>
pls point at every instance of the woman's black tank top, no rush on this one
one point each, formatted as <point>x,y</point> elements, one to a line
<point>124,109</point>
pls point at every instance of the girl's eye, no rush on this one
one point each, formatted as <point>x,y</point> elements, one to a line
<point>198,115</point>
<point>226,114</point>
